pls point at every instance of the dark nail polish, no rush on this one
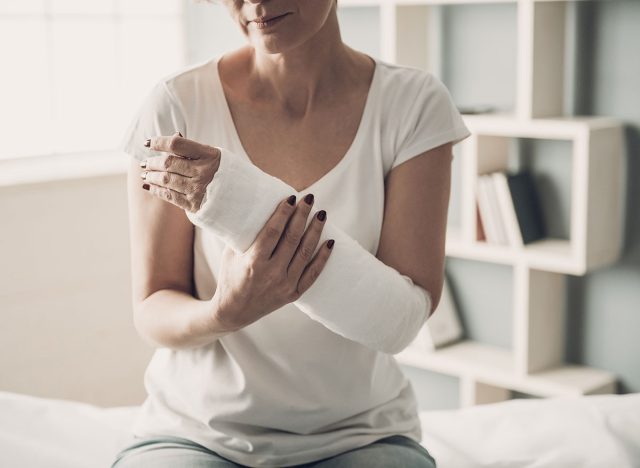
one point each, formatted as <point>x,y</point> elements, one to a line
<point>330,243</point>
<point>309,199</point>
<point>321,215</point>
<point>180,134</point>
<point>291,200</point>
<point>147,142</point>
<point>145,186</point>
<point>143,164</point>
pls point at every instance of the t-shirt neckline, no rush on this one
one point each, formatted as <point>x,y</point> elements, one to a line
<point>351,151</point>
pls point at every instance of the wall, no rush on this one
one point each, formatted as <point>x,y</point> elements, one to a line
<point>65,293</point>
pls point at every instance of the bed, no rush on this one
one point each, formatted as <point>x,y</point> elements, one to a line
<point>598,431</point>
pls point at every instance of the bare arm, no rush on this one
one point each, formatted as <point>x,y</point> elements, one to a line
<point>166,313</point>
<point>412,239</point>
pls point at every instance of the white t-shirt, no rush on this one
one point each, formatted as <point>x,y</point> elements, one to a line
<point>286,390</point>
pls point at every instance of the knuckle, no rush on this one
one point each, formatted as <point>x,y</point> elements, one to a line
<point>198,188</point>
<point>215,152</point>
<point>291,237</point>
<point>271,231</point>
<point>191,205</point>
<point>277,278</point>
<point>168,162</point>
<point>168,195</point>
<point>306,251</point>
<point>294,294</point>
<point>173,143</point>
<point>166,178</point>
<point>314,272</point>
<point>252,262</point>
<point>304,284</point>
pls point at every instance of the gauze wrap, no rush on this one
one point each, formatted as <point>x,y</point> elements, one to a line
<point>356,295</point>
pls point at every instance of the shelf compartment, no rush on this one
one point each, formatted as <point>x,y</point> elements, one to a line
<point>495,366</point>
<point>596,210</point>
<point>416,31</point>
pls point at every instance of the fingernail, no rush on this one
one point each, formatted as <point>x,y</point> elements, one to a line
<point>143,175</point>
<point>309,199</point>
<point>147,142</point>
<point>145,186</point>
<point>321,215</point>
<point>330,243</point>
<point>180,134</point>
<point>291,200</point>
<point>143,164</point>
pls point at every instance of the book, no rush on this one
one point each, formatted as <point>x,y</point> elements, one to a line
<point>480,234</point>
<point>507,209</point>
<point>442,328</point>
<point>527,206</point>
<point>486,213</point>
<point>496,211</point>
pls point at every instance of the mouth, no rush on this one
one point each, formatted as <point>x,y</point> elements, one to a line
<point>265,20</point>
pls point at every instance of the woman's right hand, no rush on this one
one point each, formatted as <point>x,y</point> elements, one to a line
<point>275,270</point>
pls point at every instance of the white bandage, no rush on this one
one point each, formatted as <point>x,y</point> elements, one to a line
<point>356,295</point>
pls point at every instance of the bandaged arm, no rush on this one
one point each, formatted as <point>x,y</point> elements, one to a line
<point>356,295</point>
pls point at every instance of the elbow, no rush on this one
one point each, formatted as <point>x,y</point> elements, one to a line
<point>139,325</point>
<point>433,306</point>
<point>143,327</point>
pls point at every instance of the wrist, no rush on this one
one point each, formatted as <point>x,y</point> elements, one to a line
<point>217,323</point>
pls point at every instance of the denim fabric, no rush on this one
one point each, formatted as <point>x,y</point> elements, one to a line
<point>396,451</point>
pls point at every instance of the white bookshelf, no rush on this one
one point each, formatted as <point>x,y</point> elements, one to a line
<point>409,35</point>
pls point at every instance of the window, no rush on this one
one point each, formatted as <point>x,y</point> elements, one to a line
<point>75,71</point>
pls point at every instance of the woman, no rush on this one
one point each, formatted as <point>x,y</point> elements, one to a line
<point>241,375</point>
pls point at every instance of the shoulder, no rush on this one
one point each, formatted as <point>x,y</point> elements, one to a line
<point>184,80</point>
<point>402,83</point>
<point>412,93</point>
<point>184,91</point>
<point>415,94</point>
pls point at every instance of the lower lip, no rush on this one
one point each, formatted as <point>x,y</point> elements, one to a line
<point>271,23</point>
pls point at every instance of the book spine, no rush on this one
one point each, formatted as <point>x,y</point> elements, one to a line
<point>509,218</point>
<point>485,209</point>
<point>495,208</point>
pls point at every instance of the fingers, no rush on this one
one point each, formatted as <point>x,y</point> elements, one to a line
<point>167,194</point>
<point>268,237</point>
<point>169,180</point>
<point>313,269</point>
<point>292,235</point>
<point>171,163</point>
<point>304,253</point>
<point>181,146</point>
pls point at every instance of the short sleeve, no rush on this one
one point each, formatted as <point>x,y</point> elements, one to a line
<point>159,114</point>
<point>430,119</point>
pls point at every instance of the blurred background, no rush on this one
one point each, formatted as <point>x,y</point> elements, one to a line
<point>74,73</point>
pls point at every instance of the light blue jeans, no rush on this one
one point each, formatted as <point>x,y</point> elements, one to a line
<point>396,451</point>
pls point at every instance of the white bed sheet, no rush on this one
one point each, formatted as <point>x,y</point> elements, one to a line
<point>600,431</point>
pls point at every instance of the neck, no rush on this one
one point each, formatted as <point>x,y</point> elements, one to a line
<point>300,77</point>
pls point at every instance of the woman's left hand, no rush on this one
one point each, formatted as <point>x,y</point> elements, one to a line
<point>182,175</point>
